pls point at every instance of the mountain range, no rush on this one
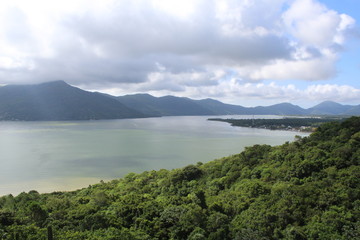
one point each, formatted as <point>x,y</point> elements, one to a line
<point>58,100</point>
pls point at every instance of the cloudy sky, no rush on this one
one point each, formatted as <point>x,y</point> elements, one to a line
<point>246,52</point>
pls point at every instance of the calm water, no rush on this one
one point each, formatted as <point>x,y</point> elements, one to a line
<point>53,156</point>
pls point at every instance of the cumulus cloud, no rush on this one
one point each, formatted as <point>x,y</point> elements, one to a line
<point>341,93</point>
<point>271,93</point>
<point>308,69</point>
<point>188,46</point>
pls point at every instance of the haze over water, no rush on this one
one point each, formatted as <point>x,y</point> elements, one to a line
<point>54,156</point>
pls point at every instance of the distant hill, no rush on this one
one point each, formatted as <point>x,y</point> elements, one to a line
<point>144,103</point>
<point>279,109</point>
<point>355,110</point>
<point>219,108</point>
<point>178,106</point>
<point>330,108</point>
<point>165,106</point>
<point>58,101</point>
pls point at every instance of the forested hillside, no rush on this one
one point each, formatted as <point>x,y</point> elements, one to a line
<point>293,124</point>
<point>307,189</point>
<point>58,101</point>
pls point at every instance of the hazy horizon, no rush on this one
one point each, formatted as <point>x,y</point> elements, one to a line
<point>203,98</point>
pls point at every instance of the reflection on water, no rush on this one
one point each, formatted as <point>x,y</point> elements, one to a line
<point>53,156</point>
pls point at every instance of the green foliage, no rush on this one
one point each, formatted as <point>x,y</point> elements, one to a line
<point>308,189</point>
<point>59,101</point>
<point>304,124</point>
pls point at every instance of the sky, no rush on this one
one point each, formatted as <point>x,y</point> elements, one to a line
<point>245,52</point>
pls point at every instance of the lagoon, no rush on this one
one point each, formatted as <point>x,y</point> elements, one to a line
<point>58,156</point>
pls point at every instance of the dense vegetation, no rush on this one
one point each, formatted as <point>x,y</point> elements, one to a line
<point>308,189</point>
<point>58,101</point>
<point>306,124</point>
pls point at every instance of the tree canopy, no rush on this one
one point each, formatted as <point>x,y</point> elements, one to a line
<point>306,189</point>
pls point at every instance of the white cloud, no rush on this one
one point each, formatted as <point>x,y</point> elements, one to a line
<point>314,31</point>
<point>312,23</point>
<point>240,93</point>
<point>215,47</point>
<point>334,92</point>
<point>308,69</point>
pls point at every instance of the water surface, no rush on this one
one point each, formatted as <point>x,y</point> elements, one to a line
<point>54,156</point>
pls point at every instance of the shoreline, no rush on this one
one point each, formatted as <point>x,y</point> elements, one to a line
<point>304,125</point>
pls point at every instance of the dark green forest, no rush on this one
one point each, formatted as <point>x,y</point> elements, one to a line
<point>298,124</point>
<point>306,189</point>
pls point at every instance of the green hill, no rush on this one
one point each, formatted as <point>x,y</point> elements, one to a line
<point>181,106</point>
<point>307,189</point>
<point>164,106</point>
<point>58,101</point>
<point>330,108</point>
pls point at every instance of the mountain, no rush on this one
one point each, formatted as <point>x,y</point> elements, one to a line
<point>219,108</point>
<point>354,110</point>
<point>165,106</point>
<point>58,101</point>
<point>177,106</point>
<point>279,109</point>
<point>144,103</point>
<point>329,108</point>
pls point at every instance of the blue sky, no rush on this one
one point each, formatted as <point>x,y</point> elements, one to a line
<point>349,63</point>
<point>246,52</point>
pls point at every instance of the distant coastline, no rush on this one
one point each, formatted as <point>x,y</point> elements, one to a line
<point>298,124</point>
